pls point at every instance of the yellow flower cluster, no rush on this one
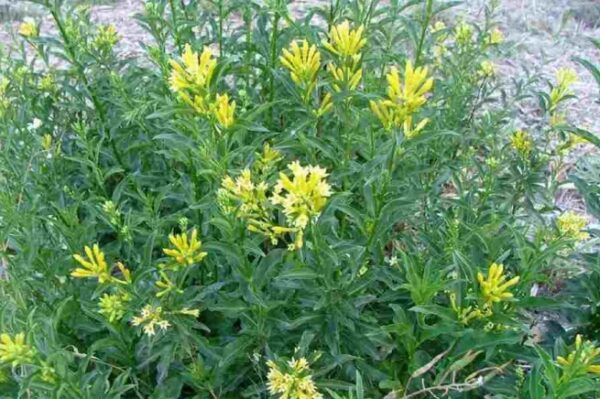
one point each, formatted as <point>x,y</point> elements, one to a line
<point>463,32</point>
<point>521,141</point>
<point>15,350</point>
<point>150,318</point>
<point>345,43</point>
<point>495,37</point>
<point>95,266</point>
<point>114,306</point>
<point>487,69</point>
<point>187,249</point>
<point>404,99</point>
<point>302,197</point>
<point>470,313</point>
<point>106,38</point>
<point>4,98</point>
<point>303,62</point>
<point>571,226</point>
<point>495,288</point>
<point>293,383</point>
<point>29,29</point>
<point>191,80</point>
<point>581,360</point>
<point>565,77</point>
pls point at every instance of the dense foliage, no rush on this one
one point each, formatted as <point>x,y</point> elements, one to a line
<point>345,204</point>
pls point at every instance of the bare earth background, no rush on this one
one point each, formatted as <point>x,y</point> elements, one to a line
<point>542,36</point>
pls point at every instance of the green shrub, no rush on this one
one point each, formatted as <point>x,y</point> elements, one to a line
<point>341,205</point>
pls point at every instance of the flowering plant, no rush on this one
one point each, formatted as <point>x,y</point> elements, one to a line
<point>258,205</point>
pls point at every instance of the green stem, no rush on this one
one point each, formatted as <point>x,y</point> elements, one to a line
<point>273,61</point>
<point>428,15</point>
<point>81,72</point>
<point>220,38</point>
<point>174,24</point>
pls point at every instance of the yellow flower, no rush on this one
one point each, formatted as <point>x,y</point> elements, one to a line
<point>295,383</point>
<point>150,318</point>
<point>463,32</point>
<point>47,83</point>
<point>346,77</point>
<point>385,111</point>
<point>303,62</point>
<point>15,350</point>
<point>113,307</point>
<point>438,26</point>
<point>404,98</point>
<point>187,251</point>
<point>411,132</point>
<point>571,225</point>
<point>304,196</point>
<point>495,287</point>
<point>28,29</point>
<point>196,71</point>
<point>166,285</point>
<point>48,373</point>
<point>190,312</point>
<point>47,141</point>
<point>223,110</point>
<point>487,69</point>
<point>106,38</point>
<point>416,84</point>
<point>495,37</point>
<point>522,142</point>
<point>565,77</point>
<point>344,41</point>
<point>95,266</point>
<point>581,360</point>
<point>325,107</point>
<point>466,315</point>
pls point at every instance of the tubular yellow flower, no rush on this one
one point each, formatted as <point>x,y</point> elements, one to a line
<point>47,142</point>
<point>384,110</point>
<point>495,37</point>
<point>106,38</point>
<point>416,84</point>
<point>411,132</point>
<point>495,288</point>
<point>303,62</point>
<point>438,26</point>
<point>166,286</point>
<point>463,32</point>
<point>344,41</point>
<point>404,98</point>
<point>325,107</point>
<point>295,383</point>
<point>187,251</point>
<point>94,267</point>
<point>581,360</point>
<point>565,77</point>
<point>150,318</point>
<point>195,72</point>
<point>345,77</point>
<point>303,196</point>
<point>224,110</point>
<point>15,350</point>
<point>521,141</point>
<point>487,69</point>
<point>571,225</point>
<point>113,307</point>
<point>28,29</point>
